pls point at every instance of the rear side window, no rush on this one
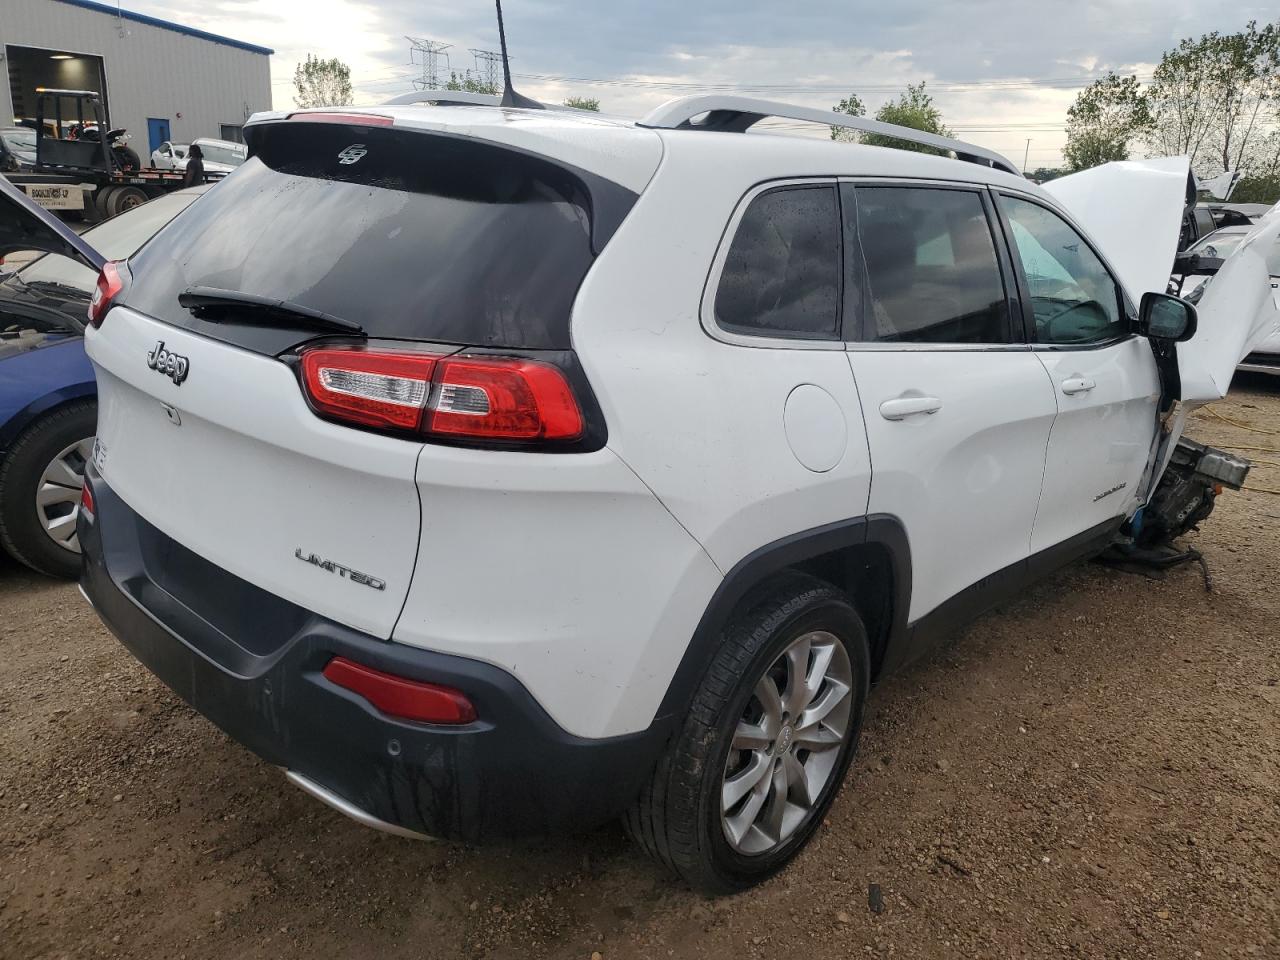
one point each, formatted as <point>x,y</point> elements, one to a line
<point>932,273</point>
<point>412,235</point>
<point>782,274</point>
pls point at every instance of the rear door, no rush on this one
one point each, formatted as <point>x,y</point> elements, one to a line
<point>957,407</point>
<point>1105,380</point>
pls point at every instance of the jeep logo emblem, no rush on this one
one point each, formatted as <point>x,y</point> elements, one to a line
<point>170,364</point>
<point>352,154</point>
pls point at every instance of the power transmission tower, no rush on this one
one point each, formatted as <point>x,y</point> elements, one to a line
<point>431,54</point>
<point>488,65</point>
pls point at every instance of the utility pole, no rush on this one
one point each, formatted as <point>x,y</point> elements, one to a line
<point>1026,154</point>
<point>488,63</point>
<point>429,53</point>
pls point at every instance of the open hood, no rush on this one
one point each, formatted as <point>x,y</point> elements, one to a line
<point>1133,210</point>
<point>26,226</point>
<point>1237,313</point>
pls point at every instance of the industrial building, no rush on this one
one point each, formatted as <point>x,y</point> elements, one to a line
<point>159,80</point>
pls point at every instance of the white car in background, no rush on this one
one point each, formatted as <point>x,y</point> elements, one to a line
<point>169,156</point>
<point>220,156</point>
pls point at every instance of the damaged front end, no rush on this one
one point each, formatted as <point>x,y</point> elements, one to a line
<point>1195,476</point>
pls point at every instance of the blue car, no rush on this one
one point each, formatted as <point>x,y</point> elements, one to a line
<point>48,399</point>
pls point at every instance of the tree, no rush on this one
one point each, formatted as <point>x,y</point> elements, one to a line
<point>1045,174</point>
<point>1107,116</point>
<point>1212,98</point>
<point>468,84</point>
<point>854,107</point>
<point>322,83</point>
<point>914,108</point>
<point>583,103</point>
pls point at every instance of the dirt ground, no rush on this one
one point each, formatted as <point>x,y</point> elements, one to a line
<point>1093,771</point>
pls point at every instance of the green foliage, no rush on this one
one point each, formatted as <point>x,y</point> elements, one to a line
<point>1045,174</point>
<point>322,83</point>
<point>914,108</point>
<point>1106,118</point>
<point>466,83</point>
<point>1212,98</point>
<point>583,103</point>
<point>1257,190</point>
<point>854,107</point>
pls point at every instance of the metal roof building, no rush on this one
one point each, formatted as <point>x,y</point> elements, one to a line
<point>160,80</point>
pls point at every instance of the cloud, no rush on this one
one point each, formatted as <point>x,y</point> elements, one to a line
<point>1024,60</point>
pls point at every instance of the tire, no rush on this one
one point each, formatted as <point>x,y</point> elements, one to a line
<point>125,198</point>
<point>68,430</point>
<point>102,203</point>
<point>678,818</point>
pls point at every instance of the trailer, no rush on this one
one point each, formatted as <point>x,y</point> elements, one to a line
<point>77,168</point>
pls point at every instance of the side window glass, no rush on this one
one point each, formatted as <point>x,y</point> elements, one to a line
<point>1074,298</point>
<point>782,275</point>
<point>932,271</point>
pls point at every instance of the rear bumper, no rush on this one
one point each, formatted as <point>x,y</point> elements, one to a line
<point>251,662</point>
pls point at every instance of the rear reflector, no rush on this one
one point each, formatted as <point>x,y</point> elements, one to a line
<point>478,398</point>
<point>398,697</point>
<point>110,283</point>
<point>86,502</point>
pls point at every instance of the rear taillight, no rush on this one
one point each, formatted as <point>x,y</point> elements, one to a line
<point>110,283</point>
<point>373,388</point>
<point>503,399</point>
<point>475,398</point>
<point>399,697</point>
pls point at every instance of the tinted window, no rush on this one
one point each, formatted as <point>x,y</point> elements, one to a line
<point>782,274</point>
<point>932,271</point>
<point>1074,298</point>
<point>415,236</point>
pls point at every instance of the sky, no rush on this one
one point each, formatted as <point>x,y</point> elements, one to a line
<point>1002,72</point>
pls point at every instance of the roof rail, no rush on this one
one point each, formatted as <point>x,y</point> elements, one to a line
<point>445,98</point>
<point>737,114</point>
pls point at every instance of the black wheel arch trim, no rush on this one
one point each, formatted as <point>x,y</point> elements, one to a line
<point>762,563</point>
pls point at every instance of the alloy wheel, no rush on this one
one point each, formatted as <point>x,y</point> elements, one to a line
<point>787,742</point>
<point>58,494</point>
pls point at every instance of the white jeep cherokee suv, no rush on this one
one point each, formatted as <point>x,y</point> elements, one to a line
<point>503,471</point>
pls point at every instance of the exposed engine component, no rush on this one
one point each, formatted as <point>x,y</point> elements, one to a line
<point>1185,496</point>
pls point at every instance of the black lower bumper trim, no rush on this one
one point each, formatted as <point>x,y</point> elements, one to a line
<point>513,772</point>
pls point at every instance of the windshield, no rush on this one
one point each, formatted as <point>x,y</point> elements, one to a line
<point>1218,245</point>
<point>20,139</point>
<point>216,154</point>
<point>117,239</point>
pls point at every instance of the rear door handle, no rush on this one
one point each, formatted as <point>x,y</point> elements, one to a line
<point>1076,385</point>
<point>903,407</point>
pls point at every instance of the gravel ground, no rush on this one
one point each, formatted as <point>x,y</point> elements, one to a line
<point>1093,771</point>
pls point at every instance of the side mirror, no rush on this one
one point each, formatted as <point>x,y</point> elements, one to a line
<point>1162,317</point>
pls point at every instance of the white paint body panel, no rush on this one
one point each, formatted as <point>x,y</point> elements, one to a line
<point>1238,314</point>
<point>1102,439</point>
<point>965,481</point>
<point>251,474</point>
<point>564,571</point>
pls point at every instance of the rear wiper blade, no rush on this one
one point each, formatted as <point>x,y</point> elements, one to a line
<point>204,301</point>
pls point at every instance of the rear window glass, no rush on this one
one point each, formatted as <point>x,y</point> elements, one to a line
<point>782,275</point>
<point>411,235</point>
